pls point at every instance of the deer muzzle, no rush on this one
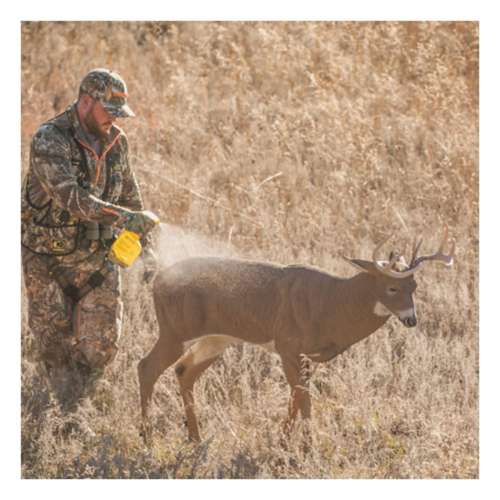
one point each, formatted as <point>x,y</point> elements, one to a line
<point>410,321</point>
<point>408,317</point>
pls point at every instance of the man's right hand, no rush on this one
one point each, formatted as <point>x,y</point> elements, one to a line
<point>142,222</point>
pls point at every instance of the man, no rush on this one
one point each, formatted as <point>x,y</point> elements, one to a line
<point>78,194</point>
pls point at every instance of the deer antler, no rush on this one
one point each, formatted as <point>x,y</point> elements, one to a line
<point>416,247</point>
<point>415,261</point>
<point>388,269</point>
<point>439,255</point>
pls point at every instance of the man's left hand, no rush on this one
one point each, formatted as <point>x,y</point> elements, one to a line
<point>150,262</point>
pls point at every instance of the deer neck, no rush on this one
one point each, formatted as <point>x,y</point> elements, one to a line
<point>359,308</point>
<point>347,316</point>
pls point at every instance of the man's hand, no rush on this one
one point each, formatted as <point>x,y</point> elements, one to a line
<point>150,262</point>
<point>142,222</point>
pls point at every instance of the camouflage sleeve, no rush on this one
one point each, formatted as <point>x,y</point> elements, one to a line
<point>131,195</point>
<point>51,165</point>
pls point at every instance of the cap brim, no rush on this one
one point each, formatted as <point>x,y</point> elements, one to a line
<point>120,111</point>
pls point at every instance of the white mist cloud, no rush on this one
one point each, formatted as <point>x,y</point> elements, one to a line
<point>175,244</point>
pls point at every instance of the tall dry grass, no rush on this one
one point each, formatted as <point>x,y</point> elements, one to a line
<point>290,142</point>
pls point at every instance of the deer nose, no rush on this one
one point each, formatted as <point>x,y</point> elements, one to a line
<point>410,321</point>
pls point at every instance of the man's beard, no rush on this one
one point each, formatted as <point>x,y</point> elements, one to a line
<point>94,127</point>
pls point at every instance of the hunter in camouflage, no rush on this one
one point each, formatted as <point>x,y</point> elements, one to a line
<point>78,194</point>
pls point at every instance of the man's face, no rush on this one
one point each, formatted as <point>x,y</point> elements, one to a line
<point>98,120</point>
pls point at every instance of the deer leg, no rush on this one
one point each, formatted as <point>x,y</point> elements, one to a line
<point>164,353</point>
<point>187,376</point>
<point>297,373</point>
<point>190,367</point>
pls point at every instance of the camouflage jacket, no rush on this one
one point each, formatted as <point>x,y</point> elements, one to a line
<point>68,183</point>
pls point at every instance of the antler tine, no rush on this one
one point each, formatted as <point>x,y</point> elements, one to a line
<point>452,253</point>
<point>404,249</point>
<point>388,271</point>
<point>439,255</point>
<point>416,248</point>
<point>376,251</point>
<point>393,258</point>
<point>445,238</point>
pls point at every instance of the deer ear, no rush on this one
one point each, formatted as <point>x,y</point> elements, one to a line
<point>362,265</point>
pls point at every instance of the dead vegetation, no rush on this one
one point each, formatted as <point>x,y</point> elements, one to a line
<point>295,143</point>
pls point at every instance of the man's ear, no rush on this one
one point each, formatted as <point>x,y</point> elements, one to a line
<point>362,265</point>
<point>85,100</point>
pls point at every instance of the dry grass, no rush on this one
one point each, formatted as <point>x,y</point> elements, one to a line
<point>314,140</point>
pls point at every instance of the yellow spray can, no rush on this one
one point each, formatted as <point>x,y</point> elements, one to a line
<point>125,249</point>
<point>127,246</point>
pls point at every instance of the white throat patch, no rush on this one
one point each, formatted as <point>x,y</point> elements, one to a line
<point>381,310</point>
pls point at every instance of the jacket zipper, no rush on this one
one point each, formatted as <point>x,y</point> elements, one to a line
<point>98,159</point>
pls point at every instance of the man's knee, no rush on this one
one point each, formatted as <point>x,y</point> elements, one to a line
<point>94,352</point>
<point>51,338</point>
<point>97,331</point>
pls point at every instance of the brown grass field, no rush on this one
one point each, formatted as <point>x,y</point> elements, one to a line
<point>293,142</point>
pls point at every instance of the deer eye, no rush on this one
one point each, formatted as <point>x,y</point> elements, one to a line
<point>392,290</point>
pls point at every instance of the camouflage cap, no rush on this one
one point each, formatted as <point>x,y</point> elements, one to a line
<point>109,88</point>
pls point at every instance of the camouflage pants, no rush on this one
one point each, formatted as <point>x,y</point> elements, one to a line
<point>66,333</point>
